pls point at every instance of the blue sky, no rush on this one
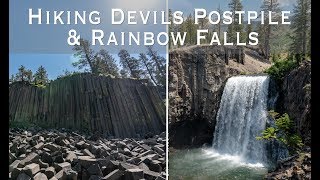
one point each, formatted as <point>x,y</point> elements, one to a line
<point>35,45</point>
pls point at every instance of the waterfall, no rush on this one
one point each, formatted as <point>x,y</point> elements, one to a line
<point>241,118</point>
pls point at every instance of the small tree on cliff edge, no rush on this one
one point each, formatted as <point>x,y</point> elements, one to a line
<point>23,74</point>
<point>130,64</point>
<point>86,56</point>
<point>99,63</point>
<point>159,63</point>
<point>41,76</point>
<point>149,66</point>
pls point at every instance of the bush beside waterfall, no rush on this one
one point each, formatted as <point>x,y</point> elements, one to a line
<point>281,67</point>
<point>282,132</point>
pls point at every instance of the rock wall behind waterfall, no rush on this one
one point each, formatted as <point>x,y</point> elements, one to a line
<point>296,99</point>
<point>111,106</point>
<point>197,75</point>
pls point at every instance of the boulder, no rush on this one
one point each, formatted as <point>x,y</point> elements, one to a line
<point>31,169</point>
<point>114,175</point>
<point>40,176</point>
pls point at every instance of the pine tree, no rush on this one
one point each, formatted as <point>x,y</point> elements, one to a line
<point>269,5</point>
<point>29,76</point>
<point>171,27</point>
<point>159,64</point>
<point>191,30</point>
<point>248,31</point>
<point>130,64</point>
<point>301,23</point>
<point>235,5</point>
<point>86,56</point>
<point>106,64</point>
<point>12,79</point>
<point>23,74</point>
<point>41,76</point>
<point>150,68</point>
<point>123,73</point>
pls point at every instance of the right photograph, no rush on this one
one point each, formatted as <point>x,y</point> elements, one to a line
<point>239,90</point>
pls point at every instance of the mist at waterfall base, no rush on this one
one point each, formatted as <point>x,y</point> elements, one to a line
<point>235,153</point>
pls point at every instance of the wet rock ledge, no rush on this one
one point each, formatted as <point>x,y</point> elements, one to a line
<point>62,154</point>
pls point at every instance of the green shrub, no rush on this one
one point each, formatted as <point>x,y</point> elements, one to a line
<point>280,68</point>
<point>20,124</point>
<point>282,132</point>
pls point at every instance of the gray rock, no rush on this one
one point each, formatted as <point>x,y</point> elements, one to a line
<point>158,150</point>
<point>58,159</point>
<point>127,166</point>
<point>31,169</point>
<point>146,147</point>
<point>150,175</point>
<point>50,172</point>
<point>114,175</point>
<point>146,153</point>
<point>23,176</point>
<point>46,157</point>
<point>15,173</point>
<point>12,157</point>
<point>70,174</point>
<point>133,174</point>
<point>94,169</point>
<point>60,175</point>
<point>155,166</point>
<point>32,157</point>
<point>52,147</point>
<point>40,176</point>
<point>95,177</point>
<point>38,146</point>
<point>111,166</point>
<point>86,161</point>
<point>62,166</point>
<point>42,164</point>
<point>121,145</point>
<point>143,166</point>
<point>88,153</point>
<point>14,165</point>
<point>71,156</point>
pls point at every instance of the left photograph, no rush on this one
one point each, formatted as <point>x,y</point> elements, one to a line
<point>86,100</point>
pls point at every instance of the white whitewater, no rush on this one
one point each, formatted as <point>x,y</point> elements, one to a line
<point>241,118</point>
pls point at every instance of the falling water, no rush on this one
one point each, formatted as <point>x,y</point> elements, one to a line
<point>241,118</point>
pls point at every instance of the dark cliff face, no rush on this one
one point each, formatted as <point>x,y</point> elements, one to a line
<point>110,106</point>
<point>295,99</point>
<point>197,76</point>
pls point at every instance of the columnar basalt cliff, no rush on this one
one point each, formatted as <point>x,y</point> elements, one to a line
<point>100,104</point>
<point>197,75</point>
<point>295,99</point>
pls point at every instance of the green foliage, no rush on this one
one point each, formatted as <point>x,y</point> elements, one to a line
<point>269,133</point>
<point>130,64</point>
<point>100,62</point>
<point>67,73</point>
<point>282,132</point>
<point>235,5</point>
<point>301,25</point>
<point>23,74</point>
<point>41,76</point>
<point>20,124</point>
<point>281,68</point>
<point>38,85</point>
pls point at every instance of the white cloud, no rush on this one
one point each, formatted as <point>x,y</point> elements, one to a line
<point>138,4</point>
<point>284,3</point>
